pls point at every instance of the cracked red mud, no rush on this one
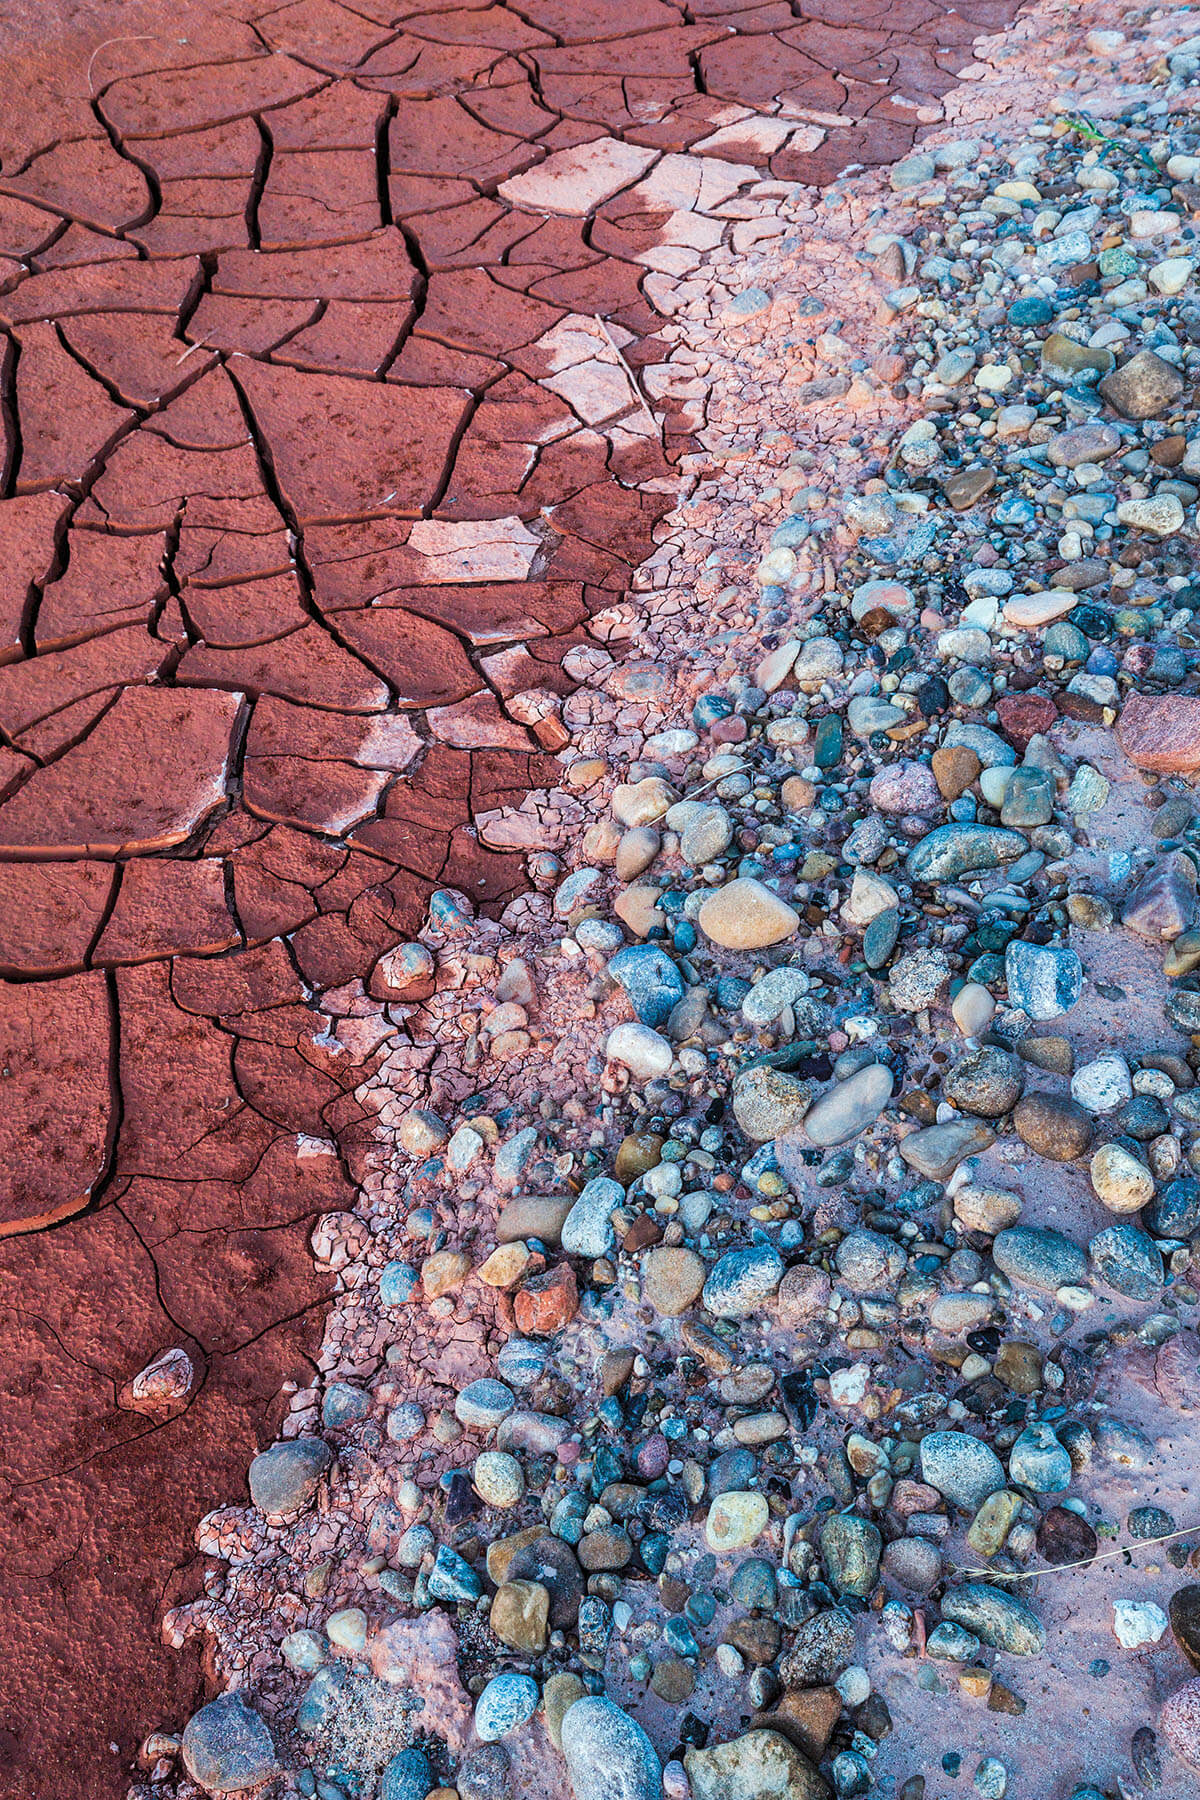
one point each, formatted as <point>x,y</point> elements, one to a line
<point>320,447</point>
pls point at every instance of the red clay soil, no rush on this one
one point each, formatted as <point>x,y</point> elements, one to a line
<point>278,471</point>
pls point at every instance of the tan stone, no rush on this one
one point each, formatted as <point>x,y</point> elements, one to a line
<point>672,1280</point>
<point>520,1615</point>
<point>955,767</point>
<point>501,1551</point>
<point>505,1266</point>
<point>444,1271</point>
<point>746,915</point>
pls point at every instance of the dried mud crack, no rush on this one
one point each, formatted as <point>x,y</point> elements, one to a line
<point>354,369</point>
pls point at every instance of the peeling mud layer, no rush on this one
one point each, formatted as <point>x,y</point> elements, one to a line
<point>325,438</point>
<point>690,1279</point>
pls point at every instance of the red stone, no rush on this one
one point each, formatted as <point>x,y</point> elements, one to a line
<point>322,770</point>
<point>1161,732</point>
<point>547,1303</point>
<point>352,337</point>
<point>439,137</point>
<point>425,664</point>
<point>207,415</point>
<point>253,326</point>
<point>307,665</point>
<point>335,37</point>
<point>318,196</point>
<point>42,686</point>
<point>155,287</point>
<point>182,1109</point>
<point>1023,716</point>
<point>182,99</point>
<point>339,117</point>
<point>246,612</point>
<point>466,308</point>
<point>248,981</point>
<point>86,180</point>
<point>378,268</point>
<point>146,365</point>
<point>147,479</point>
<point>28,550</point>
<point>24,229</point>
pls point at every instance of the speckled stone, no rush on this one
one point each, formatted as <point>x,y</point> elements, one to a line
<point>608,1755</point>
<point>753,1766</point>
<point>742,1280</point>
<point>508,1701</point>
<point>227,1746</point>
<point>963,1469</point>
<point>1179,1722</point>
<point>996,1617</point>
<point>286,1475</point>
<point>1040,1259</point>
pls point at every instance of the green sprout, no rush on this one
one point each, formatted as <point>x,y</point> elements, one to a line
<point>1085,129</point>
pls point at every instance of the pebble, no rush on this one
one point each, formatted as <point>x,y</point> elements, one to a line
<point>588,1229</point>
<point>1121,1182</point>
<point>947,852</point>
<point>759,1763</point>
<point>652,981</point>
<point>1184,1614</point>
<point>736,1520</point>
<point>672,1279</point>
<point>1057,1128</point>
<point>1038,1461</point>
<point>747,915</point>
<point>1044,980</point>
<point>482,1404</point>
<point>406,1776</point>
<point>996,1617</point>
<point>498,1477</point>
<point>1137,1622</point>
<point>742,1280</point>
<point>286,1476</point>
<point>608,1755</point>
<point>1179,1722</point>
<point>227,1746</point>
<point>1041,1259</point>
<point>986,1209</point>
<point>913,1563</point>
<point>767,1102</point>
<point>989,1083</point>
<point>1127,1260</point>
<point>507,1702</point>
<point>846,1110</point>
<point>850,1551</point>
<point>645,1053</point>
<point>963,1469</point>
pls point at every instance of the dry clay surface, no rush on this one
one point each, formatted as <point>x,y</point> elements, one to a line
<point>322,443</point>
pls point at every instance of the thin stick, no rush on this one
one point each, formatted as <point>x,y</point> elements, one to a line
<point>1084,1562</point>
<point>142,37</point>
<point>637,392</point>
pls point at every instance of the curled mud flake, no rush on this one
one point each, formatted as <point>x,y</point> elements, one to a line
<point>163,1386</point>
